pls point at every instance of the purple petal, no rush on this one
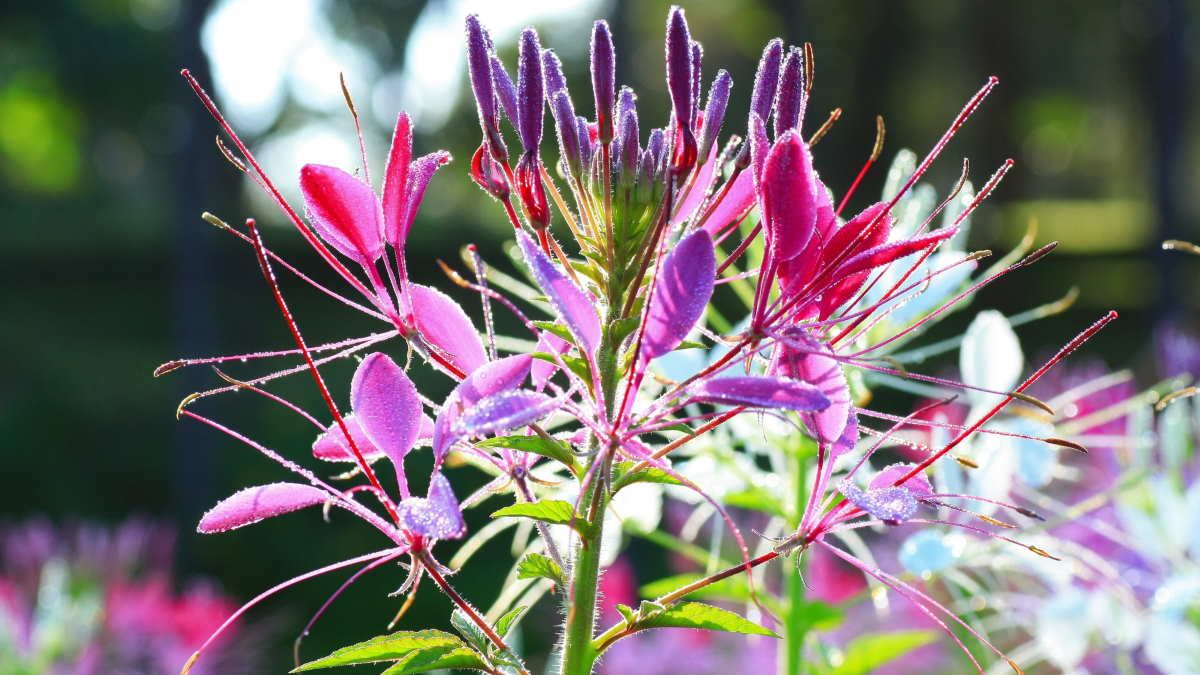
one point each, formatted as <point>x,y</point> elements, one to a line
<point>344,210</point>
<point>331,445</point>
<point>387,406</point>
<point>435,517</point>
<point>495,377</point>
<point>506,91</point>
<point>790,102</point>
<point>479,68</point>
<point>395,182</point>
<point>530,91</point>
<point>714,112</point>
<point>766,80</point>
<point>445,325</point>
<point>505,411</point>
<point>848,439</point>
<point>789,197</point>
<point>918,484</point>
<point>679,66</point>
<point>808,360</point>
<point>761,392</point>
<point>697,59</point>
<point>575,308</point>
<point>604,78</point>
<point>419,175</point>
<point>892,505</point>
<point>682,291</point>
<point>260,502</point>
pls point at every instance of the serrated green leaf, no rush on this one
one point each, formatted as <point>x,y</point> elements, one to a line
<point>470,632</point>
<point>535,444</point>
<point>576,364</point>
<point>706,617</point>
<point>865,654</point>
<point>548,511</point>
<point>621,328</point>
<point>439,658</point>
<point>386,648</point>
<point>556,329</point>
<point>536,565</point>
<point>649,474</point>
<point>506,622</point>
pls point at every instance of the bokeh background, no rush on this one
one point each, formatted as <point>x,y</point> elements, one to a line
<point>107,161</point>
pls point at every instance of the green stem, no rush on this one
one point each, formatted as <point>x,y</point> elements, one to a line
<point>795,627</point>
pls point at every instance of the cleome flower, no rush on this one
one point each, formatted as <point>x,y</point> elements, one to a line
<point>589,403</point>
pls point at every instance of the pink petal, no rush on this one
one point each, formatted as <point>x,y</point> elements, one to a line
<point>789,197</point>
<point>575,308</point>
<point>344,211</point>
<point>387,406</point>
<point>882,255</point>
<point>812,362</point>
<point>918,484</point>
<point>395,182</point>
<point>445,326</point>
<point>848,439</point>
<point>420,172</point>
<point>684,286</point>
<point>436,517</point>
<point>734,206</point>
<point>849,240</point>
<point>495,377</point>
<point>761,392</point>
<point>699,188</point>
<point>541,371</point>
<point>260,502</point>
<point>331,445</point>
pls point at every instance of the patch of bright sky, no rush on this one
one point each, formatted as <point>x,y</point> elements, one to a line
<point>261,52</point>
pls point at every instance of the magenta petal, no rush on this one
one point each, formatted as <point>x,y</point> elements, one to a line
<point>503,412</point>
<point>846,442</point>
<point>574,307</point>
<point>495,377</point>
<point>248,506</point>
<point>344,210</point>
<point>882,255</point>
<point>387,406</point>
<point>807,360</point>
<point>682,291</point>
<point>420,172</point>
<point>789,197</point>
<point>446,327</point>
<point>734,206</point>
<point>395,182</point>
<point>867,230</point>
<point>699,189</point>
<point>761,392</point>
<point>436,517</point>
<point>425,431</point>
<point>918,484</point>
<point>331,446</point>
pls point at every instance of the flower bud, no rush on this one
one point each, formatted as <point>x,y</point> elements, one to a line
<point>604,79</point>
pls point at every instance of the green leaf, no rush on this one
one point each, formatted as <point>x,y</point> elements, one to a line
<point>391,647</point>
<point>681,427</point>
<point>576,364</point>
<point>627,612</point>
<point>536,565</point>
<point>470,632</point>
<point>438,658</point>
<point>688,344</point>
<point>538,445</point>
<point>647,475</point>
<point>506,622</point>
<point>706,617</point>
<point>865,654</point>
<point>755,499</point>
<point>550,511</point>
<point>621,328</point>
<point>556,329</point>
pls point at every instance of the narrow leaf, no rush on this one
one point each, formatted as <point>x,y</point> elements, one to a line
<point>551,511</point>
<point>439,659</point>
<point>650,474</point>
<point>386,648</point>
<point>535,444</point>
<point>509,620</point>
<point>536,565</point>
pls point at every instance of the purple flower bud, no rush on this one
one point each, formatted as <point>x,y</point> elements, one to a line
<point>553,74</point>
<point>568,133</point>
<point>679,82</point>
<point>629,148</point>
<point>791,99</point>
<point>604,78</point>
<point>530,92</point>
<point>488,174</point>
<point>505,90</point>
<point>714,112</point>
<point>586,147</point>
<point>766,80</point>
<point>479,67</point>
<point>655,144</point>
